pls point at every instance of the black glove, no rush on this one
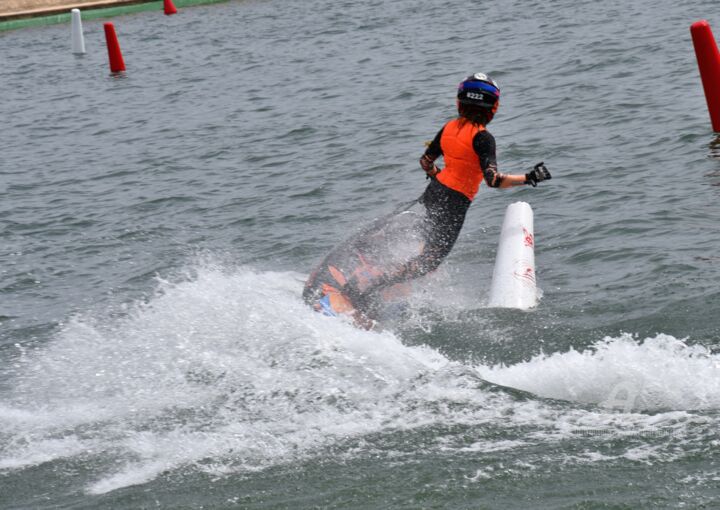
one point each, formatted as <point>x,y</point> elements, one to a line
<point>428,165</point>
<point>538,173</point>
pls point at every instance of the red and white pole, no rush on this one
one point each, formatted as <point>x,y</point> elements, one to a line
<point>513,282</point>
<point>708,58</point>
<point>117,64</point>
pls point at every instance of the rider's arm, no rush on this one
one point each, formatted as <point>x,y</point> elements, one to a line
<point>484,145</point>
<point>434,151</point>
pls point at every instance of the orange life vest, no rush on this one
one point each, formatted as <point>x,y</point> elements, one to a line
<point>462,170</point>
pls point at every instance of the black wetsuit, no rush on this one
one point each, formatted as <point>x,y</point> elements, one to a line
<point>446,207</point>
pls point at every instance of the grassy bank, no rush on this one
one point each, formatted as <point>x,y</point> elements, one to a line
<point>106,12</point>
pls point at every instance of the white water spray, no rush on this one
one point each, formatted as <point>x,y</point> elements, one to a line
<point>228,371</point>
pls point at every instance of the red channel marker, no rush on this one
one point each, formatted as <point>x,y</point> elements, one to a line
<point>117,64</point>
<point>708,58</point>
<point>169,8</point>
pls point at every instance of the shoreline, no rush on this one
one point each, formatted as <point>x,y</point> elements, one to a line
<point>91,9</point>
<point>37,8</point>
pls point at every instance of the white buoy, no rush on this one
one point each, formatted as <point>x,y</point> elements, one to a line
<point>513,283</point>
<point>78,40</point>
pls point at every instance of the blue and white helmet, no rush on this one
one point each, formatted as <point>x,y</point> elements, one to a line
<point>479,90</point>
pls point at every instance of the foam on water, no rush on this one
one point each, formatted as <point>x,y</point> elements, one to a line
<point>223,362</point>
<point>658,373</point>
<point>228,371</point>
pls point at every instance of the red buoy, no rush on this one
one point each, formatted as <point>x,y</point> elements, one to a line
<point>117,64</point>
<point>169,8</point>
<point>708,58</point>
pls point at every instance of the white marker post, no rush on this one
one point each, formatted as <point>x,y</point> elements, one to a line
<point>78,40</point>
<point>513,282</point>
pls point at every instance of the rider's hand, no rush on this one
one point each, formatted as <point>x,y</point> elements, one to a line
<point>428,165</point>
<point>537,174</point>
